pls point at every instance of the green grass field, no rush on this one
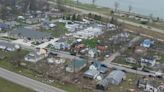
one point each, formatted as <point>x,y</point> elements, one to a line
<point>7,86</point>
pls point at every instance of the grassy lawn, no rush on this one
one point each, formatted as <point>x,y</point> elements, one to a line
<point>90,42</point>
<point>157,53</point>
<point>122,60</point>
<point>68,87</point>
<point>7,86</point>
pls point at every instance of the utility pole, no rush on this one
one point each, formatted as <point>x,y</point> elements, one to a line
<point>130,8</point>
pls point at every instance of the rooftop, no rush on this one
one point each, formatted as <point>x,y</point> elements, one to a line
<point>7,44</point>
<point>30,33</point>
<point>77,63</point>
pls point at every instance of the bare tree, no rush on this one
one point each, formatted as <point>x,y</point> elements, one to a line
<point>93,2</point>
<point>116,5</point>
<point>60,4</point>
<point>130,8</point>
<point>3,12</point>
<point>151,17</point>
<point>77,1</point>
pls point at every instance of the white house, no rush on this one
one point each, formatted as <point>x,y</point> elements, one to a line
<point>147,85</point>
<point>148,61</point>
<point>8,46</point>
<point>36,56</point>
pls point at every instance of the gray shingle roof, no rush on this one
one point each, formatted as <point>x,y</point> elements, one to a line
<point>30,33</point>
<point>7,44</point>
<point>115,76</point>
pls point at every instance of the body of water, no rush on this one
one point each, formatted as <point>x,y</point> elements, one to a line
<point>144,7</point>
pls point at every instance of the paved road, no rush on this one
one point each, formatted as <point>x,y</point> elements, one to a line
<point>109,64</point>
<point>27,82</point>
<point>120,20</point>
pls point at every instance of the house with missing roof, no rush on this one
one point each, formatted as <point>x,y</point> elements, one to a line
<point>8,46</point>
<point>76,65</point>
<point>30,34</point>
<point>115,78</point>
<point>36,56</point>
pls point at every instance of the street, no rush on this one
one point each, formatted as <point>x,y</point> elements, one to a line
<point>27,82</point>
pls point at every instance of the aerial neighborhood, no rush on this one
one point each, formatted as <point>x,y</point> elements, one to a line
<point>70,50</point>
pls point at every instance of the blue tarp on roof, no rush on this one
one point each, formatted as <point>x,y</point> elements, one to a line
<point>147,43</point>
